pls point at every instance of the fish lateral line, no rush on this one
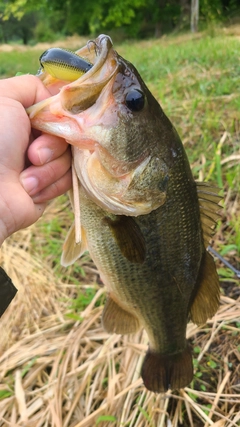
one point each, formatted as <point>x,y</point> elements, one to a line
<point>177,284</point>
<point>120,243</point>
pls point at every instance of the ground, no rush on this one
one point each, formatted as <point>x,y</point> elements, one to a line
<point>58,367</point>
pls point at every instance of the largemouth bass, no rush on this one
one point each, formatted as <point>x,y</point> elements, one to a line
<point>138,210</point>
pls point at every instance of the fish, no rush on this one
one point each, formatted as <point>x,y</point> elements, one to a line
<point>138,210</point>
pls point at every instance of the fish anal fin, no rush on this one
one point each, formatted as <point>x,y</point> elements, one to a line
<point>129,237</point>
<point>207,298</point>
<point>162,372</point>
<point>117,320</point>
<point>72,250</point>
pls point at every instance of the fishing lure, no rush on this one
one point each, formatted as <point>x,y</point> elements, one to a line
<point>63,64</point>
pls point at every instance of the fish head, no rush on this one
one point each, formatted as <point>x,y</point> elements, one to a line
<point>117,130</point>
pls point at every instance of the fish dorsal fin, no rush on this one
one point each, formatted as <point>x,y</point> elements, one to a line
<point>128,237</point>
<point>72,250</point>
<point>206,300</point>
<point>208,199</point>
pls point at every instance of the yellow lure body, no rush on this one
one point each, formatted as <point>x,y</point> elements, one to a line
<point>64,64</point>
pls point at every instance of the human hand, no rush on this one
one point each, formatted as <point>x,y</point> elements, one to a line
<point>30,175</point>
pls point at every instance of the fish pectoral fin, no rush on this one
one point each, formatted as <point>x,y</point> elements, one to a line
<point>72,250</point>
<point>208,199</point>
<point>117,320</point>
<point>128,237</point>
<point>163,372</point>
<point>207,298</point>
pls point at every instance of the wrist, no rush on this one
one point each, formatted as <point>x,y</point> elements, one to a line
<point>4,222</point>
<point>3,234</point>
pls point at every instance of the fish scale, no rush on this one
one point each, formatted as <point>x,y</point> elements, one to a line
<point>138,211</point>
<point>162,259</point>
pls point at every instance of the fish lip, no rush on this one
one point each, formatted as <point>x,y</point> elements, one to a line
<point>54,115</point>
<point>95,51</point>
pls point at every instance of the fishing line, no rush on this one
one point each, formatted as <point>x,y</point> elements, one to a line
<point>224,261</point>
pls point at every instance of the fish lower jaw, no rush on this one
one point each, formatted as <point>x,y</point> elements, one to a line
<point>115,204</point>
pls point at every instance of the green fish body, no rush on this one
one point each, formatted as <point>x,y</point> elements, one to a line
<point>144,220</point>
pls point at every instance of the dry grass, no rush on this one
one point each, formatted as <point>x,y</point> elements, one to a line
<point>59,372</point>
<point>72,42</point>
<point>62,370</point>
<point>56,371</point>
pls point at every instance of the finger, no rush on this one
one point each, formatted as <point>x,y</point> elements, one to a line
<point>56,189</point>
<point>36,178</point>
<point>15,131</point>
<point>18,211</point>
<point>26,89</point>
<point>46,148</point>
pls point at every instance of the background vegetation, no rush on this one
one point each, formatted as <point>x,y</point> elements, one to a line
<point>47,20</point>
<point>58,367</point>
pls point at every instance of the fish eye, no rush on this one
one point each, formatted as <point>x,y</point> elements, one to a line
<point>135,100</point>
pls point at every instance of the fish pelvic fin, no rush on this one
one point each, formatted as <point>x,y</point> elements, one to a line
<point>162,372</point>
<point>117,320</point>
<point>207,298</point>
<point>72,250</point>
<point>208,199</point>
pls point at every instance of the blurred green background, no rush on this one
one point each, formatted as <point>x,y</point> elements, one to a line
<point>29,22</point>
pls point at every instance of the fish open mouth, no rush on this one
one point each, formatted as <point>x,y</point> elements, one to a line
<point>79,113</point>
<point>53,114</point>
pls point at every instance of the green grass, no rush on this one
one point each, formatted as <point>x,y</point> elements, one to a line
<point>189,80</point>
<point>197,82</point>
<point>13,62</point>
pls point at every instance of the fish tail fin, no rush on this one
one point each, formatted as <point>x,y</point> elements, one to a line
<point>162,372</point>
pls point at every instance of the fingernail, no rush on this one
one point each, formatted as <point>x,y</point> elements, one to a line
<point>30,184</point>
<point>45,155</point>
